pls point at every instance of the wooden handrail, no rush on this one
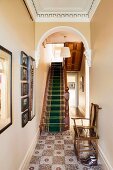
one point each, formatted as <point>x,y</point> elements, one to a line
<point>66,100</point>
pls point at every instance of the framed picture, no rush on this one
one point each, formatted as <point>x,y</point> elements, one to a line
<point>31,87</point>
<point>25,116</point>
<point>24,103</point>
<point>24,89</point>
<point>24,74</point>
<point>24,59</point>
<point>71,85</point>
<point>5,88</point>
<point>82,83</point>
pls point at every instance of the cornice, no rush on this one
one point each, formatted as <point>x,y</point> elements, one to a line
<point>65,16</point>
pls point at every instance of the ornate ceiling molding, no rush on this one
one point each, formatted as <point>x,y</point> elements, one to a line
<point>50,15</point>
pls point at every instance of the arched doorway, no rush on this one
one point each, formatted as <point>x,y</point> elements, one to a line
<point>87,54</point>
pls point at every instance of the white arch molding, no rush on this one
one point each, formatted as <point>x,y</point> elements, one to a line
<point>87,53</point>
<point>68,29</point>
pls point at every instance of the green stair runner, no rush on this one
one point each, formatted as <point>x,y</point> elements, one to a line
<point>55,110</point>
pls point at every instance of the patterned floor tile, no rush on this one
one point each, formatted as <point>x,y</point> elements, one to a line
<point>41,141</point>
<point>70,160</point>
<point>69,152</point>
<point>58,153</point>
<point>48,152</point>
<point>72,167</point>
<point>46,160</point>
<point>49,142</point>
<point>49,146</point>
<point>59,141</point>
<point>68,141</point>
<point>58,167</point>
<point>35,160</point>
<point>44,167</point>
<point>58,146</point>
<point>60,137</point>
<point>58,160</point>
<point>40,146</point>
<point>50,137</point>
<point>69,147</point>
<point>38,153</point>
<point>33,167</point>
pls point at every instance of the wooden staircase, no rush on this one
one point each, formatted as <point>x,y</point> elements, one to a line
<point>53,113</point>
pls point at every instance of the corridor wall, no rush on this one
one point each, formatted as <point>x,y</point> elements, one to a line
<point>101,76</point>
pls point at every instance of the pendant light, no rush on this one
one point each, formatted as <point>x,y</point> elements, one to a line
<point>65,51</point>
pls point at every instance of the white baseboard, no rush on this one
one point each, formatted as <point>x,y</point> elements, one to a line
<point>25,163</point>
<point>104,160</point>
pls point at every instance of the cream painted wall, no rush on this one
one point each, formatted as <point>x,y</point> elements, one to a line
<point>81,93</point>
<point>41,75</point>
<point>17,33</point>
<point>41,28</point>
<point>101,75</point>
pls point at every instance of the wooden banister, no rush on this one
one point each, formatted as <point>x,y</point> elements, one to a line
<point>66,100</point>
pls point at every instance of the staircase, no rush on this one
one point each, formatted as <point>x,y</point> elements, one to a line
<point>55,101</point>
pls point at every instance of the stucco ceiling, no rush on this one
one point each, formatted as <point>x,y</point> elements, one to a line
<point>62,10</point>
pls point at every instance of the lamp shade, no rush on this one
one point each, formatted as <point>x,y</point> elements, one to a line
<point>65,52</point>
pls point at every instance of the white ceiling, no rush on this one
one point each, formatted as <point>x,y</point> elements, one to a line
<point>62,10</point>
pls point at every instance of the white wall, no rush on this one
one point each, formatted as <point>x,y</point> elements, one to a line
<point>73,100</point>
<point>17,33</point>
<point>82,94</point>
<point>101,75</point>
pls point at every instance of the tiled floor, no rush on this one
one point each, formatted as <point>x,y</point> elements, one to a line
<point>56,152</point>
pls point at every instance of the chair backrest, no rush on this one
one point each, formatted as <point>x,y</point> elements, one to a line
<point>94,114</point>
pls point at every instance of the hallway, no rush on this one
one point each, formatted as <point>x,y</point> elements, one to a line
<point>56,152</point>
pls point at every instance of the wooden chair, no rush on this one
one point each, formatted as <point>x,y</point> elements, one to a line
<point>86,137</point>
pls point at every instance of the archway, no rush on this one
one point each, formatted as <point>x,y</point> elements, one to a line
<point>87,53</point>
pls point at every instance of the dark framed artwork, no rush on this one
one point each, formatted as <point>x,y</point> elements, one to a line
<point>24,59</point>
<point>24,74</point>
<point>24,89</point>
<point>5,88</point>
<point>71,85</point>
<point>25,118</point>
<point>24,104</point>
<point>31,87</point>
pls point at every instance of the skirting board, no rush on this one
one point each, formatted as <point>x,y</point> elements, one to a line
<point>104,160</point>
<point>25,162</point>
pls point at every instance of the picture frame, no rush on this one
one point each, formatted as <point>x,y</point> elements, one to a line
<point>82,83</point>
<point>31,87</point>
<point>24,103</point>
<point>5,88</point>
<point>24,59</point>
<point>24,88</point>
<point>24,74</point>
<point>71,85</point>
<point>25,118</point>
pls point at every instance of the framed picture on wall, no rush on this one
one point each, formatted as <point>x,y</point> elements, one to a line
<point>71,85</point>
<point>24,89</point>
<point>31,87</point>
<point>24,74</point>
<point>24,59</point>
<point>82,83</point>
<point>25,117</point>
<point>24,104</point>
<point>5,88</point>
